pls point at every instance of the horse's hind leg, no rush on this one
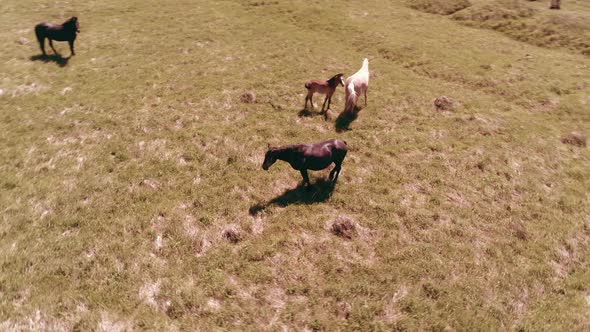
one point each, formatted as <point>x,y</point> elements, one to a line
<point>51,44</point>
<point>71,42</point>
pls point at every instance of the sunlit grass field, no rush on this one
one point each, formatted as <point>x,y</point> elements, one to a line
<point>132,195</point>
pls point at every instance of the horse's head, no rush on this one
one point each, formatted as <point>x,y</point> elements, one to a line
<point>270,158</point>
<point>340,79</point>
<point>73,21</point>
<point>336,79</point>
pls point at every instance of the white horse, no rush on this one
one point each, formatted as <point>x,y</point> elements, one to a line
<point>356,85</point>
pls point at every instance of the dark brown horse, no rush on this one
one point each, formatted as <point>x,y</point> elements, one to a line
<point>64,32</point>
<point>309,156</point>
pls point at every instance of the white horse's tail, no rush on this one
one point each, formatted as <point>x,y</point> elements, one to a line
<point>351,99</point>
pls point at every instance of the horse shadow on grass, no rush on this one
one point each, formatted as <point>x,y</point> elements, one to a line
<point>306,113</point>
<point>345,118</point>
<point>58,59</point>
<point>319,192</point>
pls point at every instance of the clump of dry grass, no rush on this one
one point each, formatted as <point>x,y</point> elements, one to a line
<point>443,103</point>
<point>519,231</point>
<point>343,227</point>
<point>232,233</point>
<point>343,310</point>
<point>248,97</point>
<point>441,7</point>
<point>574,138</point>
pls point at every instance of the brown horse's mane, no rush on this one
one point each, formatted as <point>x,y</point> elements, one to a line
<point>334,80</point>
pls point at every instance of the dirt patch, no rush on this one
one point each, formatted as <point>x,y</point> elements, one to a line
<point>149,292</point>
<point>23,41</point>
<point>110,323</point>
<point>25,89</point>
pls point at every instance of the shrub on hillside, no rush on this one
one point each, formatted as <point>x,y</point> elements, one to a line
<point>491,13</point>
<point>518,21</point>
<point>441,7</point>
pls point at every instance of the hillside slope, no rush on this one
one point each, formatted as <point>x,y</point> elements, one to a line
<point>125,168</point>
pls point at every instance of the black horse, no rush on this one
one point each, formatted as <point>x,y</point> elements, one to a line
<point>309,156</point>
<point>64,32</point>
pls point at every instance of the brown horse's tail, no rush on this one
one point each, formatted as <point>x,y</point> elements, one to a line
<point>308,85</point>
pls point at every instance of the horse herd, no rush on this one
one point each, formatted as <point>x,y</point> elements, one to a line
<point>301,157</point>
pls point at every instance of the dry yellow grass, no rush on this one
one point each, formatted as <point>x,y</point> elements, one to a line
<point>133,198</point>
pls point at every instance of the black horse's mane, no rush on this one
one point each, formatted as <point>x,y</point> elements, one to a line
<point>71,20</point>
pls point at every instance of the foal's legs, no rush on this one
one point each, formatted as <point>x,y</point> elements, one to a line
<point>71,42</point>
<point>51,44</point>
<point>324,104</point>
<point>309,96</point>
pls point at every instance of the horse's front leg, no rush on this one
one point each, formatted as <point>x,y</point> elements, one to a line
<point>305,178</point>
<point>365,97</point>
<point>71,42</point>
<point>51,44</point>
<point>336,171</point>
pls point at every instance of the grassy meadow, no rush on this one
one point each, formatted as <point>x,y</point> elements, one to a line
<point>132,195</point>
